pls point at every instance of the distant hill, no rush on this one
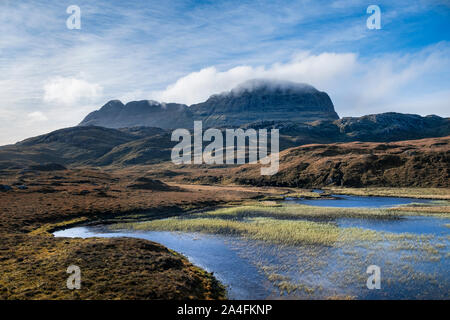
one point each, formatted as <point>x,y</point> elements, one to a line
<point>99,146</point>
<point>416,163</point>
<point>90,146</point>
<point>391,126</point>
<point>383,127</point>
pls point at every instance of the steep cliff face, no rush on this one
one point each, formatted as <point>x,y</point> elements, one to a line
<point>262,100</point>
<point>251,101</point>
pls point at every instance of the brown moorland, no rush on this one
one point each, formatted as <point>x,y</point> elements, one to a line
<point>33,263</point>
<point>413,163</point>
<point>416,164</point>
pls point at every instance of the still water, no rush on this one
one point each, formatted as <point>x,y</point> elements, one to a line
<point>415,267</point>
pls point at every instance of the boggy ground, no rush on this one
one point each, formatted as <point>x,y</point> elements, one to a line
<point>33,263</point>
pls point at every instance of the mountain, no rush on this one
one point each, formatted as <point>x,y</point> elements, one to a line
<point>115,114</point>
<point>391,126</point>
<point>302,113</point>
<point>383,127</point>
<point>262,100</point>
<point>139,132</point>
<point>251,101</point>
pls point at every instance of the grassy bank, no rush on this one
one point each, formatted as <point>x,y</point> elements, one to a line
<point>420,193</point>
<point>272,209</point>
<point>293,211</point>
<point>286,232</point>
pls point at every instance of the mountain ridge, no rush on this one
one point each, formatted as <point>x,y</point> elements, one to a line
<point>250,101</point>
<point>100,146</point>
<point>134,142</point>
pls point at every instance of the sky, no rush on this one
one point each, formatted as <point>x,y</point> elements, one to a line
<point>184,51</point>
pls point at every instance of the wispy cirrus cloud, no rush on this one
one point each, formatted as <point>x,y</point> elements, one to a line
<point>185,50</point>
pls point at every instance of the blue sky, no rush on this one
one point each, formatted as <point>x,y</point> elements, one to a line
<point>184,51</point>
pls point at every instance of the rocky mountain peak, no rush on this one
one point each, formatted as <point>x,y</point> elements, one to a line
<point>251,101</point>
<point>265,100</point>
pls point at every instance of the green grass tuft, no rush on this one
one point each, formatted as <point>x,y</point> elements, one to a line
<point>287,232</point>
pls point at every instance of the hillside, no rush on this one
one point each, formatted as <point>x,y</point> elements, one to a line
<point>99,146</point>
<point>418,163</point>
<point>383,127</point>
<point>88,146</point>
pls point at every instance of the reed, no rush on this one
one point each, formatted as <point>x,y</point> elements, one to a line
<point>286,232</point>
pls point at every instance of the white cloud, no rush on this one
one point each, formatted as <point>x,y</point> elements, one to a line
<point>317,70</point>
<point>438,100</point>
<point>70,91</point>
<point>356,86</point>
<point>37,116</point>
